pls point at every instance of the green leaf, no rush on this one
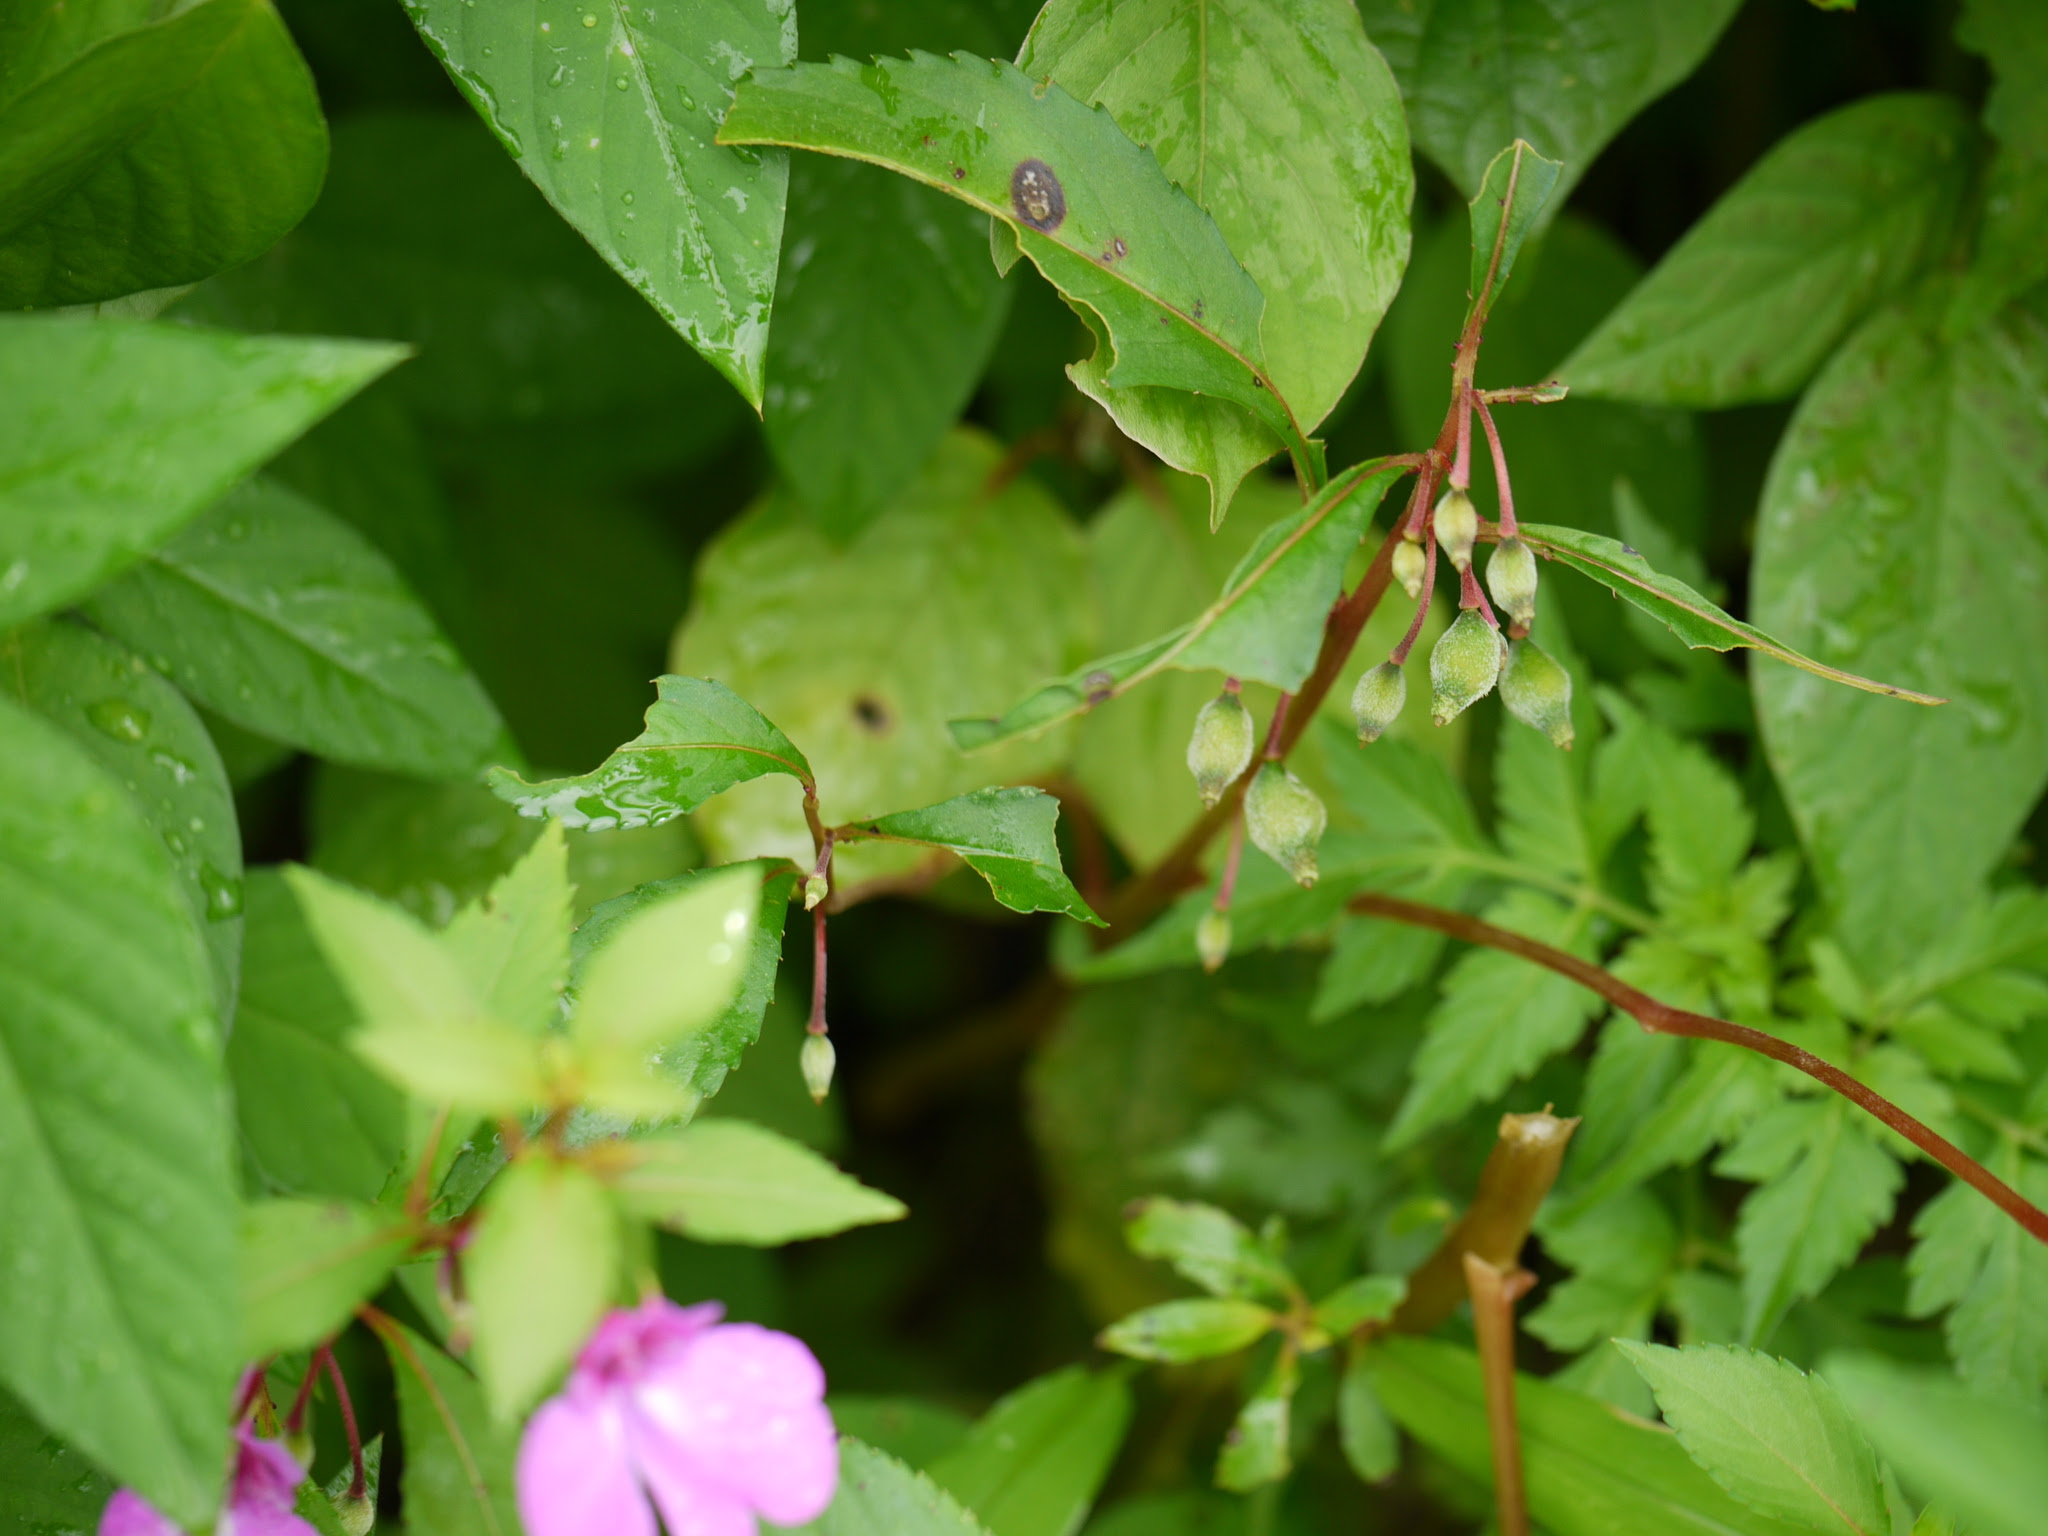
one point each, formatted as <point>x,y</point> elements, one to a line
<point>1511,196</point>
<point>1267,625</point>
<point>1318,213</point>
<point>148,156</point>
<point>1110,231</point>
<point>1776,1438</point>
<point>313,1117</point>
<point>1826,1186</point>
<point>1841,214</point>
<point>513,944</point>
<point>307,1265</point>
<point>879,1496</point>
<point>1899,531</point>
<point>44,1484</point>
<point>700,1063</point>
<point>1621,1251</point>
<point>1564,77</point>
<point>458,1463</point>
<point>141,426</point>
<point>1032,1465</point>
<point>1979,1455</point>
<point>1992,1275</point>
<point>670,967</point>
<point>1500,1017</point>
<point>725,1181</point>
<point>423,1023</point>
<point>540,1268</point>
<point>2011,254</point>
<point>1688,615</point>
<point>1255,1450</point>
<point>1209,1246</point>
<point>275,614</point>
<point>885,314</point>
<point>615,124</point>
<point>1590,1470</point>
<point>1006,837</point>
<point>140,729</point>
<point>701,739</point>
<point>1371,1446</point>
<point>1179,1331</point>
<point>117,1329</point>
<point>825,641</point>
<point>1372,961</point>
<point>1368,1299</point>
<point>1720,1091</point>
<point>909,1428</point>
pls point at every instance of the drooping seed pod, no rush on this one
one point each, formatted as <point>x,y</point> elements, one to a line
<point>1511,578</point>
<point>1377,701</point>
<point>816,1061</point>
<point>1286,821</point>
<point>816,889</point>
<point>1463,667</point>
<point>1457,527</point>
<point>1410,562</point>
<point>355,1513</point>
<point>1212,939</point>
<point>1538,692</point>
<point>1220,747</point>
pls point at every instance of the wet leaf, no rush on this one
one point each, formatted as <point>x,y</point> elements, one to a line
<point>115,1328</point>
<point>726,1181</point>
<point>1032,1465</point>
<point>1512,196</point>
<point>280,617</point>
<point>1255,1450</point>
<point>149,156</point>
<point>1006,837</point>
<point>306,1265</point>
<point>1176,1332</point>
<point>611,112</point>
<point>879,1496</point>
<point>458,1462</point>
<point>49,1485</point>
<point>135,428</point>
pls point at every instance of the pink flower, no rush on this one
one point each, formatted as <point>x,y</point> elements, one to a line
<point>716,1422</point>
<point>259,1499</point>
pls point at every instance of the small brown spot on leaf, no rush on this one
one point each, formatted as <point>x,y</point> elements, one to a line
<point>871,714</point>
<point>1100,686</point>
<point>1036,195</point>
<point>959,173</point>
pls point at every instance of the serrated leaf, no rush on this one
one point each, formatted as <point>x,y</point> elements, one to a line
<point>48,1486</point>
<point>116,1190</point>
<point>1776,1438</point>
<point>1621,1252</point>
<point>701,739</point>
<point>278,616</point>
<point>616,125</point>
<point>1842,213</point>
<point>1094,212</point>
<point>141,729</point>
<point>1255,1449</point>
<point>135,428</point>
<point>1032,1465</point>
<point>1991,1276</point>
<point>1720,1090</point>
<point>540,1267</point>
<point>725,1181</point>
<point>1265,627</point>
<point>1209,1246</point>
<point>1176,1332</point>
<point>458,1464</point>
<point>879,1496</point>
<point>1511,197</point>
<point>1688,615</point>
<point>1006,837</point>
<point>149,156</point>
<point>306,1265</point>
<point>1898,529</point>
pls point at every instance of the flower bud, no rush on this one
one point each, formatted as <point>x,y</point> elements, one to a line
<point>1511,578</point>
<point>1212,939</point>
<point>1457,527</point>
<point>356,1514</point>
<point>1377,701</point>
<point>1221,747</point>
<point>816,889</point>
<point>1538,692</point>
<point>1285,820</point>
<point>1463,667</point>
<point>1409,564</point>
<point>816,1061</point>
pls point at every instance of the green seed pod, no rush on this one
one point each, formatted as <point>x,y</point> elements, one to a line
<point>357,1515</point>
<point>816,889</point>
<point>1286,821</point>
<point>1212,939</point>
<point>1221,747</point>
<point>1457,527</point>
<point>1463,667</point>
<point>1377,701</point>
<point>1409,564</point>
<point>816,1061</point>
<point>1538,692</point>
<point>1511,578</point>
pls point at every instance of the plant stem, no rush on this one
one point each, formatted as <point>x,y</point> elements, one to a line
<point>1227,886</point>
<point>1661,1019</point>
<point>1508,525</point>
<point>1494,1294</point>
<point>358,1485</point>
<point>816,1025</point>
<point>1400,655</point>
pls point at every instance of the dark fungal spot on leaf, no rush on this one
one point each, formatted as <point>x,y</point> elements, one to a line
<point>1036,195</point>
<point>959,173</point>
<point>1100,686</point>
<point>871,713</point>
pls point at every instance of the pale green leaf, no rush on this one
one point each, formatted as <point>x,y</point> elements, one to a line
<point>1621,1252</point>
<point>670,967</point>
<point>513,944</point>
<point>458,1462</point>
<point>1032,1465</point>
<point>1209,1246</point>
<point>726,1181</point>
<point>879,1496</point>
<point>1368,1299</point>
<point>1006,837</point>
<point>1255,1449</point>
<point>306,1266</point>
<point>1718,1091</point>
<point>1990,1274</point>
<point>1179,1331</point>
<point>1370,1443</point>
<point>615,124</point>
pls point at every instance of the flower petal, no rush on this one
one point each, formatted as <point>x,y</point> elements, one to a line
<point>262,1518</point>
<point>741,1410</point>
<point>129,1514</point>
<point>692,1508</point>
<point>632,1340</point>
<point>267,1475</point>
<point>574,1475</point>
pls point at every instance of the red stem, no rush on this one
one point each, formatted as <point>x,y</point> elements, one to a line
<point>1662,1019</point>
<point>1461,466</point>
<point>357,1485</point>
<point>1508,526</point>
<point>1400,656</point>
<point>816,1026</point>
<point>1471,596</point>
<point>1227,887</point>
<point>296,1418</point>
